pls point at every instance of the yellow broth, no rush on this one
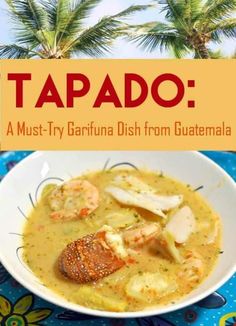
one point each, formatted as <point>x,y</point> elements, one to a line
<point>44,240</point>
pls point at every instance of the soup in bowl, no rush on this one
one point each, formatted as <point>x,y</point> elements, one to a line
<point>116,238</point>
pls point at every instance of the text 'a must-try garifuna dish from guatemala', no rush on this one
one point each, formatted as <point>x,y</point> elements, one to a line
<point>121,240</point>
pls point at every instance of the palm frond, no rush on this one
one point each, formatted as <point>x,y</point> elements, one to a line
<point>133,31</point>
<point>57,13</point>
<point>225,28</point>
<point>175,12</point>
<point>180,49</point>
<point>13,51</point>
<point>29,12</point>
<point>96,40</point>
<point>173,9</point>
<point>31,19</point>
<point>191,12</point>
<point>75,18</point>
<point>160,36</point>
<point>218,9</point>
<point>163,41</point>
<point>26,37</point>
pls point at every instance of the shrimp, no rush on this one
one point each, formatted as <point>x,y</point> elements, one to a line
<point>141,234</point>
<point>74,199</point>
<point>192,267</point>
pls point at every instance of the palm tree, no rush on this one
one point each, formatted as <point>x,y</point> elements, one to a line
<point>55,29</point>
<point>189,28</point>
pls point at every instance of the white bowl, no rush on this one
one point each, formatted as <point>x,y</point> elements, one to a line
<point>20,188</point>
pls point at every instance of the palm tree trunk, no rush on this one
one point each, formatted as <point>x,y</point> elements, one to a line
<point>202,51</point>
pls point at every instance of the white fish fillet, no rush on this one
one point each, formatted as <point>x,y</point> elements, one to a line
<point>165,245</point>
<point>182,224</point>
<point>130,182</point>
<point>148,200</point>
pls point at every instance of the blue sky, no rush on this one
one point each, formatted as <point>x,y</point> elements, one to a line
<point>121,49</point>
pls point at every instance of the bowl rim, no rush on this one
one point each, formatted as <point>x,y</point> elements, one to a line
<point>108,314</point>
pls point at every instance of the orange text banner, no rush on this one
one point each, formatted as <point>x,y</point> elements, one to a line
<point>118,104</point>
